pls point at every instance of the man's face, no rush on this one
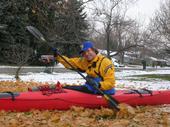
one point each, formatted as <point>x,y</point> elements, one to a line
<point>89,54</point>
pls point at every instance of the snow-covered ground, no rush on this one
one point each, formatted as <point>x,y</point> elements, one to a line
<point>124,79</point>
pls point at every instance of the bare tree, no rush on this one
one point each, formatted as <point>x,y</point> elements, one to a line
<point>156,37</point>
<point>161,26</point>
<point>126,36</point>
<point>19,55</point>
<point>119,33</point>
<point>103,14</point>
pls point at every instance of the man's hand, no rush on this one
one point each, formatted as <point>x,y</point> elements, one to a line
<point>92,82</point>
<point>47,58</point>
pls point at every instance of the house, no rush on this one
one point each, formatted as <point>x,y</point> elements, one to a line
<point>156,62</point>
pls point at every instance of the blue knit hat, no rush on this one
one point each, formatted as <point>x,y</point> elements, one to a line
<point>86,45</point>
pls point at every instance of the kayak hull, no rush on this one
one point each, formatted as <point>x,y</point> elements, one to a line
<point>64,100</point>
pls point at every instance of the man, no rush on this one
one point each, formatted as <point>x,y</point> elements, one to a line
<point>99,69</point>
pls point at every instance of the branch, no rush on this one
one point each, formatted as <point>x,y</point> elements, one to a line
<point>85,2</point>
<point>125,49</point>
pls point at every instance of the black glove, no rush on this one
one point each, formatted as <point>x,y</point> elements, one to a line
<point>92,82</point>
<point>55,52</point>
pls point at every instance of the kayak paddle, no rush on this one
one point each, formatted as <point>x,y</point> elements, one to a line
<point>112,101</point>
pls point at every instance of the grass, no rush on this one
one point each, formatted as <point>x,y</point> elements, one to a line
<point>156,76</point>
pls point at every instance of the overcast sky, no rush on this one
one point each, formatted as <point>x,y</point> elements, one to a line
<point>143,10</point>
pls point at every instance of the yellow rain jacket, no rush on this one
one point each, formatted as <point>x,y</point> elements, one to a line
<point>100,66</point>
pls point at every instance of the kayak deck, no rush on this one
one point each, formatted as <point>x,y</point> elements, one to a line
<point>66,98</point>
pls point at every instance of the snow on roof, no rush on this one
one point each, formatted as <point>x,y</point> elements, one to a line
<point>155,59</point>
<point>105,52</point>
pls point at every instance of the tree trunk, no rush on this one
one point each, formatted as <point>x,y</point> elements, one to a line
<point>17,73</point>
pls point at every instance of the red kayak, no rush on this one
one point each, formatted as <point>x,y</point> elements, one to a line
<point>64,99</point>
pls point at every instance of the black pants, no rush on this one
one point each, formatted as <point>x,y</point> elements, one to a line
<point>80,88</point>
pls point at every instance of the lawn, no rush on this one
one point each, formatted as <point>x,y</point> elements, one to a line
<point>156,76</point>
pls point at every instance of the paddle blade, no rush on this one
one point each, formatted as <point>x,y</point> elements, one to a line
<point>125,111</point>
<point>112,102</point>
<point>36,33</point>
